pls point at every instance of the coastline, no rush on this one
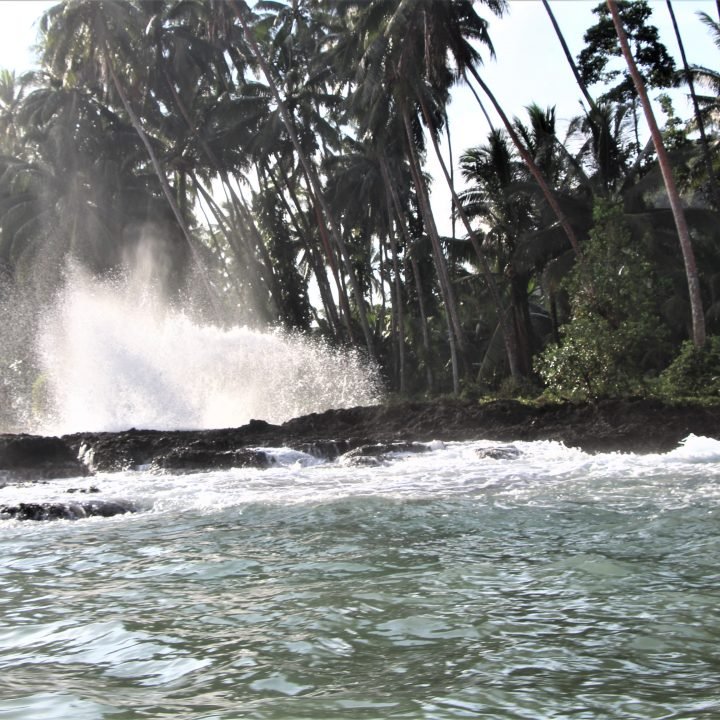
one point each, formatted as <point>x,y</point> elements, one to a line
<point>638,425</point>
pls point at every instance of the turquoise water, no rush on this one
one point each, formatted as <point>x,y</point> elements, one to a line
<point>439,585</point>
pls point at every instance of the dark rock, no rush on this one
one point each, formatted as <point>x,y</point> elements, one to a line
<point>86,491</point>
<point>376,453</point>
<point>612,425</point>
<point>30,458</point>
<point>190,459</point>
<point>65,511</point>
<point>499,452</point>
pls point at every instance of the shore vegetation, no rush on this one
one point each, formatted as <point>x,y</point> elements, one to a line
<point>273,156</point>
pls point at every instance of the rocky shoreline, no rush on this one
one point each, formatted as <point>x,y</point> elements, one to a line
<point>614,425</point>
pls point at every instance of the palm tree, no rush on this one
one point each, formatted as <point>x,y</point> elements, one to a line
<point>494,196</point>
<point>568,55</point>
<point>712,181</point>
<point>382,61</point>
<point>243,16</point>
<point>102,34</point>
<point>698,318</point>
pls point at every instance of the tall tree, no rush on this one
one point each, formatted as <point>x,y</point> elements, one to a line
<point>705,146</point>
<point>243,14</point>
<point>595,61</point>
<point>698,318</point>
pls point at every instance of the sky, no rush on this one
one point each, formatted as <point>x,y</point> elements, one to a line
<point>529,65</point>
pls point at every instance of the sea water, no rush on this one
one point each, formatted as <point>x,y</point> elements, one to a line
<point>441,584</point>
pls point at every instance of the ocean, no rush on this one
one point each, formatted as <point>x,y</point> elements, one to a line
<point>548,583</point>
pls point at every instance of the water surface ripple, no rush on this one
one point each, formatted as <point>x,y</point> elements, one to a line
<point>440,585</point>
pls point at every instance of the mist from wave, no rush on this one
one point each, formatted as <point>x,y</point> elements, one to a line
<point>116,355</point>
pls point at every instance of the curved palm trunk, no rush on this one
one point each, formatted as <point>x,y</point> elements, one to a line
<point>522,324</point>
<point>243,290</point>
<point>698,318</point>
<point>167,191</point>
<point>239,253</point>
<point>568,55</point>
<point>480,103</point>
<point>318,268</point>
<point>696,110</point>
<point>454,327</point>
<point>326,250</point>
<point>509,338</point>
<point>264,267</point>
<point>531,165</point>
<point>400,220</point>
<point>397,295</point>
<point>311,175</point>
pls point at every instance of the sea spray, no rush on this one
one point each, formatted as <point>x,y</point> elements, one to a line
<point>115,357</point>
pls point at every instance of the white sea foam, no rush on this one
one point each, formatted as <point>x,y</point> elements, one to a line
<point>696,449</point>
<point>543,473</point>
<point>114,358</point>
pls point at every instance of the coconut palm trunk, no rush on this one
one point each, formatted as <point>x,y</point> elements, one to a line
<point>396,289</point>
<point>454,326</point>
<point>310,173</point>
<point>531,164</point>
<point>707,158</point>
<point>303,231</point>
<point>696,309</point>
<point>327,251</point>
<point>509,338</point>
<point>401,222</point>
<point>568,54</point>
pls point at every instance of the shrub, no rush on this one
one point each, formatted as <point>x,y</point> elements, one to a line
<point>695,372</point>
<point>615,330</point>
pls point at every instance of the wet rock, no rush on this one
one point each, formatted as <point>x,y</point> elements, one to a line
<point>376,453</point>
<point>65,511</point>
<point>31,458</point>
<point>85,491</point>
<point>189,459</point>
<point>499,452</point>
<point>323,449</point>
<point>611,425</point>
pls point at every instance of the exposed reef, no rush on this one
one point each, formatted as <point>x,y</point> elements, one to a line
<point>365,432</point>
<point>29,457</point>
<point>65,511</point>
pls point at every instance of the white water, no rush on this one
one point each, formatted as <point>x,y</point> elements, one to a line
<point>433,586</point>
<point>546,470</point>
<point>116,357</point>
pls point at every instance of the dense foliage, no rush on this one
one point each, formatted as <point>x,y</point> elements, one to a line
<point>272,155</point>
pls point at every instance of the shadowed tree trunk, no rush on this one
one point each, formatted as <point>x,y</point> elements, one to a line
<point>402,224</point>
<point>509,338</point>
<point>310,173</point>
<point>455,336</point>
<point>568,55</point>
<point>698,318</point>
<point>696,109</point>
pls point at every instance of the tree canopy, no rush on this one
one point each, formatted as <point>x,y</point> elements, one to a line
<point>278,150</point>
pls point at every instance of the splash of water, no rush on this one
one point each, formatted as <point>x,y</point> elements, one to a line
<point>115,358</point>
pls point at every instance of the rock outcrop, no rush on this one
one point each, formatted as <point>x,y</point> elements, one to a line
<point>365,432</point>
<point>32,458</point>
<point>65,510</point>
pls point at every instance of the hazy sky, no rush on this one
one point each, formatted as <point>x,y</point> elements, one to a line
<point>529,65</point>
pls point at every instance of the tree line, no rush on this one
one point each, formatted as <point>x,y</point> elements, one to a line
<point>279,150</point>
